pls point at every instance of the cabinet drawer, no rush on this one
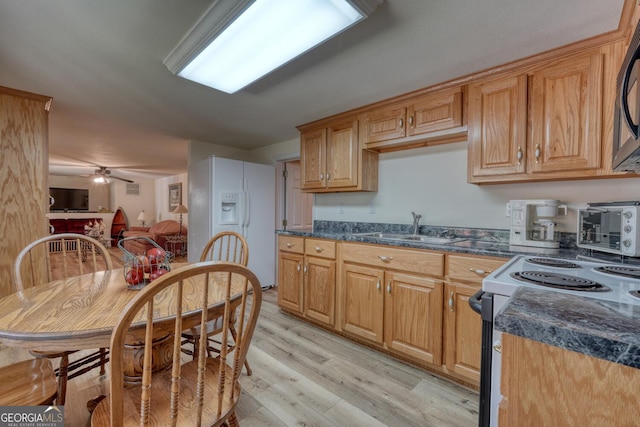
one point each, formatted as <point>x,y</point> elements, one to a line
<point>320,248</point>
<point>468,268</point>
<point>291,244</point>
<point>386,257</point>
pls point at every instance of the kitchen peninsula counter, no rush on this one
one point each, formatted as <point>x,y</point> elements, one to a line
<point>603,329</point>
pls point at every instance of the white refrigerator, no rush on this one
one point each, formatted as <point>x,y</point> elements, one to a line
<point>231,195</point>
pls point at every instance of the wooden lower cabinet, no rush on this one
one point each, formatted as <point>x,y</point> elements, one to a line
<point>463,333</point>
<point>543,385</point>
<point>307,278</point>
<point>462,325</point>
<point>319,289</point>
<point>393,298</point>
<point>413,316</point>
<point>399,310</point>
<point>290,281</point>
<point>362,302</point>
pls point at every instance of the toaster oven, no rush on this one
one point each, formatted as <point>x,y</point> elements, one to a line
<point>610,227</point>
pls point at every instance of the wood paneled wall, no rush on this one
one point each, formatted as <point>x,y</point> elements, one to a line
<point>23,175</point>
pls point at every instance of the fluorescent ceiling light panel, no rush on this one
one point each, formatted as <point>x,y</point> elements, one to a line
<point>238,50</point>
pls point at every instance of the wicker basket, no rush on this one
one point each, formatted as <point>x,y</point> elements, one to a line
<point>140,269</point>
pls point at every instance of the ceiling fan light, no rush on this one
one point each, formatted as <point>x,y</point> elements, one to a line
<point>100,179</point>
<point>236,43</point>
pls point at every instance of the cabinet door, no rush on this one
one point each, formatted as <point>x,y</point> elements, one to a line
<point>463,333</point>
<point>342,155</point>
<point>362,302</point>
<point>319,289</point>
<point>413,316</point>
<point>290,281</point>
<point>434,112</point>
<point>566,115</point>
<point>497,127</point>
<point>313,157</point>
<point>385,124</point>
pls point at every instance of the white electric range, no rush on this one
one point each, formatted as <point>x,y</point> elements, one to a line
<point>600,280</point>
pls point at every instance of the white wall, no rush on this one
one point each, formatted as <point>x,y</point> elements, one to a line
<point>162,198</point>
<point>432,181</point>
<point>133,204</point>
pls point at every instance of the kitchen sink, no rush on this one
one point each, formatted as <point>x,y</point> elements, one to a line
<point>434,240</point>
<point>412,238</point>
<point>393,236</point>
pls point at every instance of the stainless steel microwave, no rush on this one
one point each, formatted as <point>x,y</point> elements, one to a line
<point>610,227</point>
<point>626,125</point>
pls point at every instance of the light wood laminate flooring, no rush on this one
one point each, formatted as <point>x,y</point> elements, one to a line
<point>305,376</point>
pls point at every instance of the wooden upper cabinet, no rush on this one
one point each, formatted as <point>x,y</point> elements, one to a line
<point>385,124</point>
<point>421,120</point>
<point>497,126</point>
<point>542,124</point>
<point>342,155</point>
<point>313,155</point>
<point>566,110</point>
<point>332,159</point>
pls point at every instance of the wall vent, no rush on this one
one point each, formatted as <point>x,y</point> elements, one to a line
<point>133,189</point>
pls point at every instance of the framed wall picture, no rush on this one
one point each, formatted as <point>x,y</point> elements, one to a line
<point>175,196</point>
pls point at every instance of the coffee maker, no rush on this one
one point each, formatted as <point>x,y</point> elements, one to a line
<point>532,222</point>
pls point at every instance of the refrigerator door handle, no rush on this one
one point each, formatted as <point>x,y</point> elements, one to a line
<point>247,205</point>
<point>240,217</point>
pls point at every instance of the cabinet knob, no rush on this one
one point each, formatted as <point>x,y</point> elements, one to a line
<point>385,258</point>
<point>389,288</point>
<point>378,285</point>
<point>321,176</point>
<point>306,268</point>
<point>537,153</point>
<point>410,120</point>
<point>289,245</point>
<point>451,301</point>
<point>318,249</point>
<point>519,155</point>
<point>479,271</point>
<point>328,176</point>
<point>299,267</point>
<point>497,346</point>
<point>401,123</point>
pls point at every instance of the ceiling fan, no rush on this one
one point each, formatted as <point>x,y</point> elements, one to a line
<point>103,175</point>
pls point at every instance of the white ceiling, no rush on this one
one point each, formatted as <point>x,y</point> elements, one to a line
<point>115,104</point>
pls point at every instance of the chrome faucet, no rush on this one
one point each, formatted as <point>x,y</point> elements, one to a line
<point>416,221</point>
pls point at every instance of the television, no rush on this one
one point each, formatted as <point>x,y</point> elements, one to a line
<point>69,199</point>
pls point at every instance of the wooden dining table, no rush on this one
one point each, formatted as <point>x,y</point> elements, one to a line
<point>81,313</point>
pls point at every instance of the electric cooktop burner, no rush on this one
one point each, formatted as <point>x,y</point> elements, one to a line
<point>560,281</point>
<point>620,270</point>
<point>551,262</point>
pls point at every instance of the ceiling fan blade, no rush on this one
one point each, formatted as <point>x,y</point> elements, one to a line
<point>121,179</point>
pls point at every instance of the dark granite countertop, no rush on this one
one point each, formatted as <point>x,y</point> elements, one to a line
<point>478,241</point>
<point>603,329</point>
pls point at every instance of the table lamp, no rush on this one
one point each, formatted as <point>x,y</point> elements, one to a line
<point>181,209</point>
<point>143,218</point>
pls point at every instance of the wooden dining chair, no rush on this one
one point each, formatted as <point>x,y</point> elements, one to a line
<point>202,391</point>
<point>62,257</point>
<point>28,383</point>
<point>226,246</point>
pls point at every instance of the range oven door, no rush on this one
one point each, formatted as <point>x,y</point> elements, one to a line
<point>482,303</point>
<point>488,305</point>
